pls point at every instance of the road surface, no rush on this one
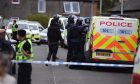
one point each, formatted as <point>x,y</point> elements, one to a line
<point>63,75</point>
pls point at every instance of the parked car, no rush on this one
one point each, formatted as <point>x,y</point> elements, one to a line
<point>39,26</point>
<point>21,25</point>
<point>34,27</point>
<point>43,35</point>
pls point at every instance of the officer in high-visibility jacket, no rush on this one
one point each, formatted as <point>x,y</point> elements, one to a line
<point>24,52</point>
<point>14,30</point>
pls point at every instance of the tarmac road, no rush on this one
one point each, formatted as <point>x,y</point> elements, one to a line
<point>63,75</point>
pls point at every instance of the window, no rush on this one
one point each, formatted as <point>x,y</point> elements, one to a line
<point>15,1</point>
<point>33,27</point>
<point>23,26</point>
<point>41,6</point>
<point>72,7</point>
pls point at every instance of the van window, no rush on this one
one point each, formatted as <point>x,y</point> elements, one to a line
<point>33,27</point>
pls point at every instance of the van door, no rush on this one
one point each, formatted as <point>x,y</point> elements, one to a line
<point>103,38</point>
<point>89,35</point>
<point>126,39</point>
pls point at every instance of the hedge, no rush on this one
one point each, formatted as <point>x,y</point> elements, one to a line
<point>42,19</point>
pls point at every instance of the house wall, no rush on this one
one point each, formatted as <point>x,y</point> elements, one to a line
<point>56,7</point>
<point>2,6</point>
<point>22,10</point>
<point>29,7</point>
<point>133,14</point>
<point>52,7</point>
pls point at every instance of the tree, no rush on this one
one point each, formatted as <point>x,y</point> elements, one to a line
<point>43,19</point>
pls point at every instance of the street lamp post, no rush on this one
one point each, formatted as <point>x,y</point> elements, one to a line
<point>101,3</point>
<point>122,6</point>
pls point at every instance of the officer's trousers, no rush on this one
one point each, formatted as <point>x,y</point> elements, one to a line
<point>82,54</point>
<point>14,35</point>
<point>73,52</point>
<point>53,48</point>
<point>24,73</point>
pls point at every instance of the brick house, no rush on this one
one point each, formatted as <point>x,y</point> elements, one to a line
<point>131,7</point>
<point>23,8</point>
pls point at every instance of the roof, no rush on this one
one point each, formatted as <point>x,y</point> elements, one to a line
<point>130,5</point>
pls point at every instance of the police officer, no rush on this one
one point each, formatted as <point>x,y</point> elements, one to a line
<point>14,30</point>
<point>54,37</point>
<point>24,52</point>
<point>83,31</point>
<point>73,38</point>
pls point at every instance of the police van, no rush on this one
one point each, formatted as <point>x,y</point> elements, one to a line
<point>112,39</point>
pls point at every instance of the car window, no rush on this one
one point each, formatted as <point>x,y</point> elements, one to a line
<point>40,28</point>
<point>22,26</point>
<point>33,27</point>
<point>44,31</point>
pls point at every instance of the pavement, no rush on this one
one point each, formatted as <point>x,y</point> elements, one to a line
<point>63,75</point>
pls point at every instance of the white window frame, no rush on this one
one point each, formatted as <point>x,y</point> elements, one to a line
<point>78,7</point>
<point>13,2</point>
<point>71,9</point>
<point>44,7</point>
